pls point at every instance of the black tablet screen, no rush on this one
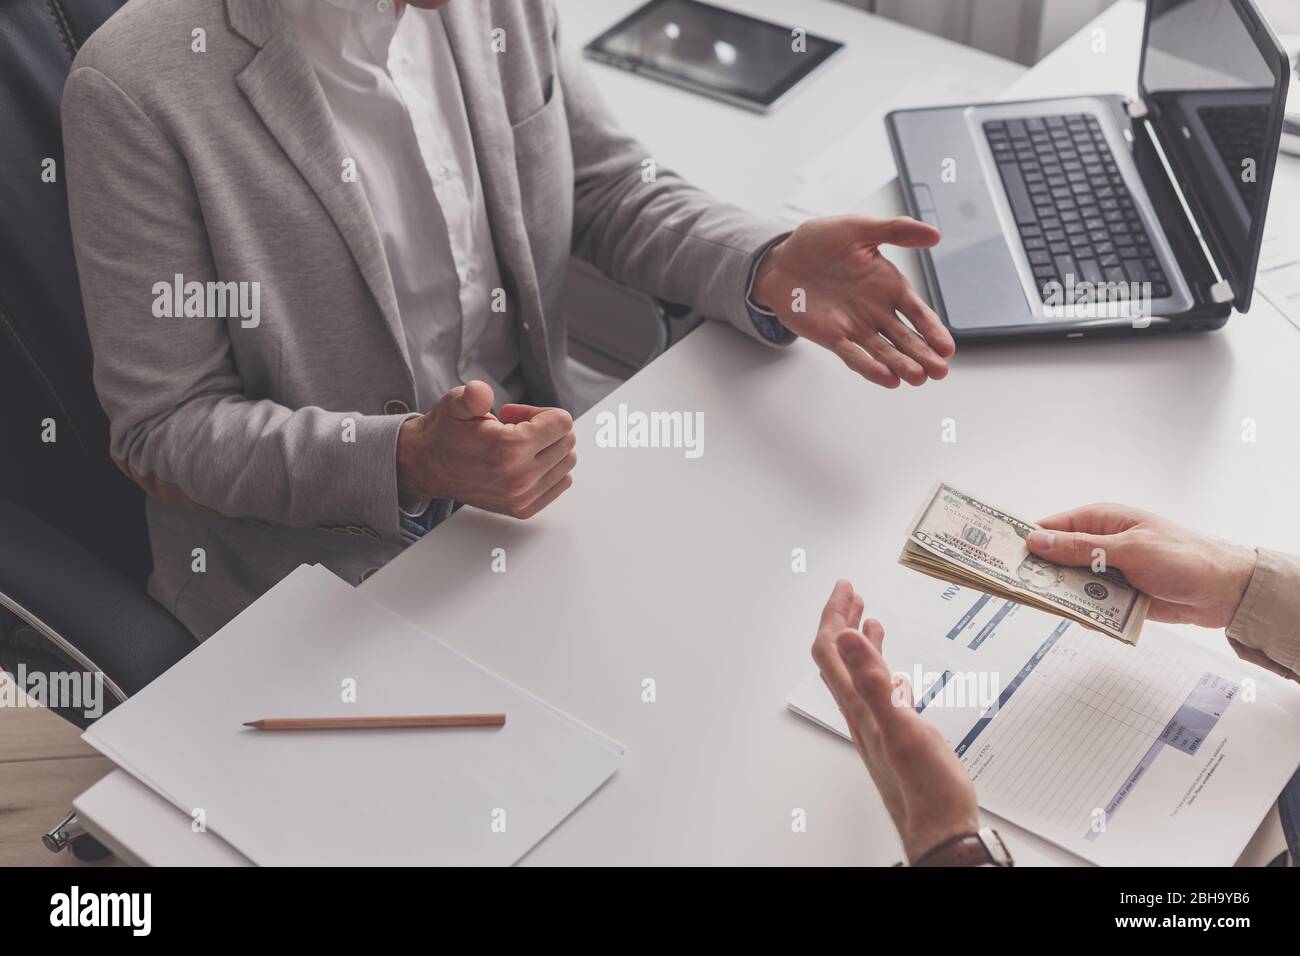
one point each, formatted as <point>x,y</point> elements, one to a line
<point>713,48</point>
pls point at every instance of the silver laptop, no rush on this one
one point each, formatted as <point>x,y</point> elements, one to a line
<point>1098,214</point>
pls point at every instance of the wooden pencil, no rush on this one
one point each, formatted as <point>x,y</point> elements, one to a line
<point>377,723</point>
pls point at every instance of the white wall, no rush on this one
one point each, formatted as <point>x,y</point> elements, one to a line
<point>1021,30</point>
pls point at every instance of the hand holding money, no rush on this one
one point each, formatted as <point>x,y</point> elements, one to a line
<point>958,538</point>
<point>1191,578</point>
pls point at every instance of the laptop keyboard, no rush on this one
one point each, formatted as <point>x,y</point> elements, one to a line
<point>1073,211</point>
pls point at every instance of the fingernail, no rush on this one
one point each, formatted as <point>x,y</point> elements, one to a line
<point>1041,539</point>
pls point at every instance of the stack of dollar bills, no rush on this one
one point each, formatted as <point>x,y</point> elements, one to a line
<point>955,537</point>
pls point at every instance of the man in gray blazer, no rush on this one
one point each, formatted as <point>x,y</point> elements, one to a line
<point>322,245</point>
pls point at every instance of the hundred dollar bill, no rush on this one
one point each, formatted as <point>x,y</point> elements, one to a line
<point>958,538</point>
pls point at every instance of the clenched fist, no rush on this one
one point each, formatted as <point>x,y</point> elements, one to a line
<point>514,464</point>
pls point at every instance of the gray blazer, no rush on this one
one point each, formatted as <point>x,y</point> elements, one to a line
<point>266,446</point>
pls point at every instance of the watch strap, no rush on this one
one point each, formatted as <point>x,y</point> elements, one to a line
<point>983,848</point>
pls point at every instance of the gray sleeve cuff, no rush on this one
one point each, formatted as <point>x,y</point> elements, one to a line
<point>765,320</point>
<point>1266,627</point>
<point>414,509</point>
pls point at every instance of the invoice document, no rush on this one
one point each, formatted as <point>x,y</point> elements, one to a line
<point>313,646</point>
<point>1159,754</point>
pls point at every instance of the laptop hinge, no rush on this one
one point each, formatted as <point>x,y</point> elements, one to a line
<point>1220,291</point>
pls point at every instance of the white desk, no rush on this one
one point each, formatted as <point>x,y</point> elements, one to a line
<point>749,159</point>
<point>655,566</point>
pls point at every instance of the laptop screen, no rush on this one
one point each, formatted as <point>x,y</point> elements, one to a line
<point>1210,82</point>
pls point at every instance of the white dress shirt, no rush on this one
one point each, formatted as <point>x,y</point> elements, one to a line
<point>391,83</point>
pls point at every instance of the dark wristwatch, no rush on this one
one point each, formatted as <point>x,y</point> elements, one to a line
<point>983,848</point>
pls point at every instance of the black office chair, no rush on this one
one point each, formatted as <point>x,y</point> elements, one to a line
<point>74,554</point>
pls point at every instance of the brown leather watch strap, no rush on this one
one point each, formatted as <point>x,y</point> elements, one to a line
<point>984,848</point>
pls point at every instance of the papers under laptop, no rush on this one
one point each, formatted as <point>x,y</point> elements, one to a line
<point>1160,754</point>
<point>314,646</point>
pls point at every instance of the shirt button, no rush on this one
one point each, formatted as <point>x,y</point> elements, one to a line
<point>383,6</point>
<point>395,406</point>
<point>442,173</point>
<point>470,274</point>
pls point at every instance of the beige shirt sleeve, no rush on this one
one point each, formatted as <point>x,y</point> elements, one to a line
<point>1266,627</point>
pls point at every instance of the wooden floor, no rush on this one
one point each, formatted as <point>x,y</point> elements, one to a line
<point>43,766</point>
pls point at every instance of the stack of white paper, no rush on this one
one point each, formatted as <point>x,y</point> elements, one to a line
<point>315,647</point>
